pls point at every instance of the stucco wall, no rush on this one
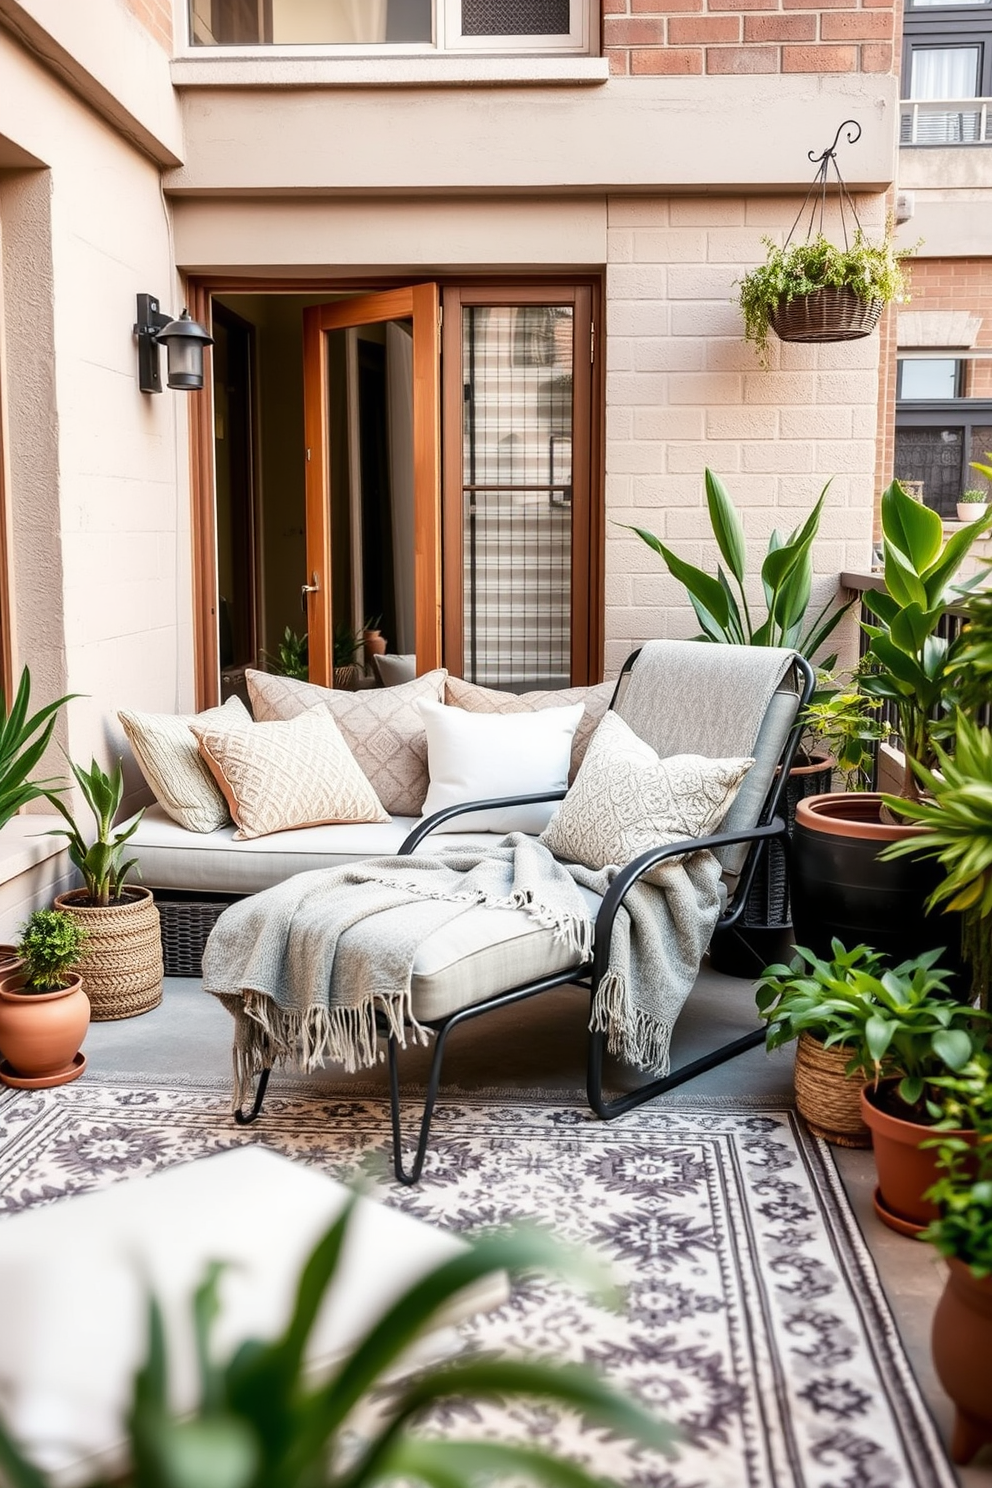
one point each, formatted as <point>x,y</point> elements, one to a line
<point>97,471</point>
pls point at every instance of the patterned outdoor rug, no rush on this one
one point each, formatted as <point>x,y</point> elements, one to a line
<point>753,1316</point>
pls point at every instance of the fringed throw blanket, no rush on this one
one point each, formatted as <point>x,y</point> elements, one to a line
<point>305,966</point>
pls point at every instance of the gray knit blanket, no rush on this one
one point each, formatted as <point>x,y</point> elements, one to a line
<point>305,966</point>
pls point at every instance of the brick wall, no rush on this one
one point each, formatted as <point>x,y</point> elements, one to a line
<point>156,17</point>
<point>959,284</point>
<point>685,391</point>
<point>643,37</point>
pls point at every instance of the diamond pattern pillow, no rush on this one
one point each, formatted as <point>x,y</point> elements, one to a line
<point>595,701</point>
<point>381,727</point>
<point>277,776</point>
<point>168,758</point>
<point>626,800</point>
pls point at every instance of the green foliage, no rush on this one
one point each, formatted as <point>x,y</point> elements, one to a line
<point>847,722</point>
<point>985,470</point>
<point>963,1192</point>
<point>872,271</point>
<point>292,658</point>
<point>100,863</point>
<point>970,665</point>
<point>973,497</point>
<point>345,644</point>
<point>786,577</point>
<point>51,942</point>
<point>895,1021</point>
<point>909,663</point>
<point>263,1422</point>
<point>956,812</point>
<point>23,741</point>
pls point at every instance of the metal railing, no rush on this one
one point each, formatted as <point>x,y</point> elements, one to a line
<point>945,121</point>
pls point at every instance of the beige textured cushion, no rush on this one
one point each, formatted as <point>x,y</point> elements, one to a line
<point>381,727</point>
<point>595,701</point>
<point>169,760</point>
<point>277,776</point>
<point>626,800</point>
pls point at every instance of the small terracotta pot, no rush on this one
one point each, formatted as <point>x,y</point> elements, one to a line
<point>962,1356</point>
<point>40,1032</point>
<point>374,642</point>
<point>905,1168</point>
<point>9,960</point>
<point>827,1098</point>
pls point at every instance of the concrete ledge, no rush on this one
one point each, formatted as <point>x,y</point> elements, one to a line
<point>33,869</point>
<point>267,71</point>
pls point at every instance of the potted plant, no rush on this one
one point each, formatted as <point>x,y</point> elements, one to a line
<point>846,721</point>
<point>44,1012</point>
<point>373,640</point>
<point>23,741</point>
<point>962,1233</point>
<point>345,646</point>
<point>263,1419</point>
<point>972,504</point>
<point>824,1005</point>
<point>839,886</point>
<point>817,291</point>
<point>291,659</point>
<point>122,966</point>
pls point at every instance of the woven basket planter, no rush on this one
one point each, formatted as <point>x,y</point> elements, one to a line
<point>825,315</point>
<point>828,1100</point>
<point>121,964</point>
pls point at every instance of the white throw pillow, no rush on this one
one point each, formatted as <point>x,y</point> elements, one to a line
<point>626,799</point>
<point>167,756</point>
<point>480,756</point>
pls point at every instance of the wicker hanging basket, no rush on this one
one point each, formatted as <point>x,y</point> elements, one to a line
<point>825,315</point>
<point>121,965</point>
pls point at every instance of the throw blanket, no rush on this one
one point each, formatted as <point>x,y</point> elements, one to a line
<point>305,966</point>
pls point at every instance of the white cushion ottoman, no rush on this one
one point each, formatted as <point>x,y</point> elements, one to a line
<point>74,1278</point>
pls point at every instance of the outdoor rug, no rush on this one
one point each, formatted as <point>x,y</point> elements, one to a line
<point>751,1314</point>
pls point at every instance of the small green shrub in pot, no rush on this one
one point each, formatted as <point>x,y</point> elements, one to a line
<point>846,722</point>
<point>50,945</point>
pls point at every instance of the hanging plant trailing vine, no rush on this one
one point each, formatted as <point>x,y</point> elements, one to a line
<point>868,275</point>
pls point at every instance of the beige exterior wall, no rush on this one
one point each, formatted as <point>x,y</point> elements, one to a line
<point>96,472</point>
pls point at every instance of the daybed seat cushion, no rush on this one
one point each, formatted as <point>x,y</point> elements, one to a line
<point>171,858</point>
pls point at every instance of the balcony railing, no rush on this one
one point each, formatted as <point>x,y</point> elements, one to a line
<point>945,121</point>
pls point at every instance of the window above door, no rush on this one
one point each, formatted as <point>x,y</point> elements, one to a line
<point>394,27</point>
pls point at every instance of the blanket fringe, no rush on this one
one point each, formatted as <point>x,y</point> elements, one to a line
<point>631,1034</point>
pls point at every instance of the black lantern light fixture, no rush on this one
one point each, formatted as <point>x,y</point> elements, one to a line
<point>184,340</point>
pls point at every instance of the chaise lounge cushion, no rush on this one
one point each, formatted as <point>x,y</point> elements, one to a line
<point>168,757</point>
<point>595,700</point>
<point>381,727</point>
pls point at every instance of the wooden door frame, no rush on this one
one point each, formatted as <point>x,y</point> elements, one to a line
<point>201,288</point>
<point>588,557</point>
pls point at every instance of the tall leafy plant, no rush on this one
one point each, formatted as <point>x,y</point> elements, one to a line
<point>100,862</point>
<point>908,660</point>
<point>23,741</point>
<point>263,1422</point>
<point>720,601</point>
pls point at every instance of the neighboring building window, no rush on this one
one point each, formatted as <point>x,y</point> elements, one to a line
<point>444,25</point>
<point>929,377</point>
<point>938,432</point>
<point>947,74</point>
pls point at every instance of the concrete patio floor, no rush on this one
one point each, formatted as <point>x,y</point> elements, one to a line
<point>541,1047</point>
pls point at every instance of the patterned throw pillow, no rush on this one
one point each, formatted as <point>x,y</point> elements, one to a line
<point>626,800</point>
<point>381,727</point>
<point>277,776</point>
<point>595,701</point>
<point>168,758</point>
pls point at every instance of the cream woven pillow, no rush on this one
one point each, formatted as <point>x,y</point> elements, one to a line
<point>594,699</point>
<point>277,776</point>
<point>168,758</point>
<point>381,727</point>
<point>626,800</point>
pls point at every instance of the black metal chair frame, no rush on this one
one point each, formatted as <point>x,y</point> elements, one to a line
<point>771,827</point>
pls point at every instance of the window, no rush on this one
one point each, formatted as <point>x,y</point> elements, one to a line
<point>937,377</point>
<point>947,74</point>
<point>442,25</point>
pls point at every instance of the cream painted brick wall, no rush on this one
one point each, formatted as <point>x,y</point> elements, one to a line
<point>685,391</point>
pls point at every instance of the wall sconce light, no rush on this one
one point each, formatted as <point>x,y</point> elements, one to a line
<point>184,340</point>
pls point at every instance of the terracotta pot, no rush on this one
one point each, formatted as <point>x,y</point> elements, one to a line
<point>841,888</point>
<point>40,1032</point>
<point>374,642</point>
<point>827,1098</point>
<point>9,960</point>
<point>121,963</point>
<point>962,1356</point>
<point>905,1168</point>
